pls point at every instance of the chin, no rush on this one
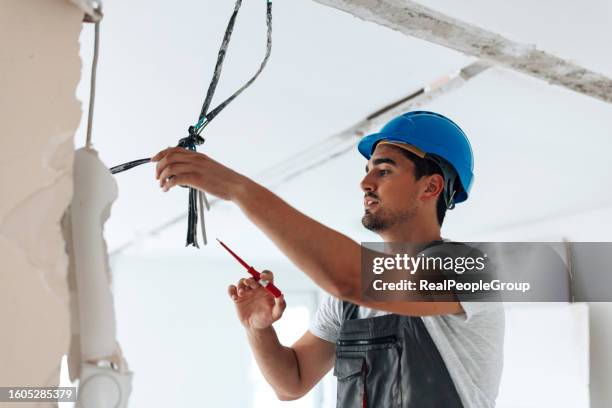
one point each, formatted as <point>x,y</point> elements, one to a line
<point>372,223</point>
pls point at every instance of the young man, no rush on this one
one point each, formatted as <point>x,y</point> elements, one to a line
<point>384,353</point>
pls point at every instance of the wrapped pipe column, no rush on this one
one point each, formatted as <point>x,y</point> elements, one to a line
<point>105,380</point>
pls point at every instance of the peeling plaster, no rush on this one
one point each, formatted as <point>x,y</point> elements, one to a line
<point>27,226</point>
<point>418,21</point>
<point>39,54</point>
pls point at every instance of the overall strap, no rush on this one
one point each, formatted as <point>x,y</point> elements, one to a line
<point>349,311</point>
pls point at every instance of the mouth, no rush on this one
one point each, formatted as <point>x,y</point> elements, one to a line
<point>370,203</point>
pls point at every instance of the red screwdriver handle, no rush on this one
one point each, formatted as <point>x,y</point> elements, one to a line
<point>269,286</point>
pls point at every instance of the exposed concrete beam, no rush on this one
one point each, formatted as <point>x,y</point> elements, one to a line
<point>421,22</point>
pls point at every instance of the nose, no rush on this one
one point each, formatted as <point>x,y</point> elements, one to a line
<point>367,184</point>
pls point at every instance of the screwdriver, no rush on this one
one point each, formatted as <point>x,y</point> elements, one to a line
<point>254,273</point>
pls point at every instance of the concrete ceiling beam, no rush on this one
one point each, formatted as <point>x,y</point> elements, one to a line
<point>415,20</point>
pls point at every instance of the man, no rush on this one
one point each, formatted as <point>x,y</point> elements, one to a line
<point>384,353</point>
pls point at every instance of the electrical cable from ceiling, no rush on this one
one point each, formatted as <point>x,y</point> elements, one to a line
<point>92,84</point>
<point>197,199</point>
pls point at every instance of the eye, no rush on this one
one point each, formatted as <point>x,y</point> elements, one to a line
<point>383,172</point>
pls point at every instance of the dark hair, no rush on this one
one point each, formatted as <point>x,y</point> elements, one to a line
<point>426,167</point>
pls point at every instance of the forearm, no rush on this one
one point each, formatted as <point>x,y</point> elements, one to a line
<point>277,363</point>
<point>329,258</point>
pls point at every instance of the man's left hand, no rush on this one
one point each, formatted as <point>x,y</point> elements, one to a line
<point>179,166</point>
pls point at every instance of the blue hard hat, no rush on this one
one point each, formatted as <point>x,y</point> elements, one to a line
<point>438,137</point>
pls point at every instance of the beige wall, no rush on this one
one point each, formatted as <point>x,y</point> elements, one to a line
<point>39,113</point>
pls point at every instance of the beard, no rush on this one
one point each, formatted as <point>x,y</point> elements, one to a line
<point>385,219</point>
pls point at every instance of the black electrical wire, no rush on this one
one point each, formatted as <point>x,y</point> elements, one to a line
<point>194,139</point>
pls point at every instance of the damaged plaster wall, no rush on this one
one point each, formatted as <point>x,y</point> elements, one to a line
<point>39,71</point>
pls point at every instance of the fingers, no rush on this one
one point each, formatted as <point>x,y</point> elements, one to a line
<point>246,285</point>
<point>241,286</point>
<point>178,166</point>
<point>232,291</point>
<point>279,307</point>
<point>160,155</point>
<point>168,156</point>
<point>185,179</point>
<point>168,152</point>
<point>266,276</point>
<point>174,155</point>
<point>237,291</point>
<point>252,283</point>
<point>174,169</point>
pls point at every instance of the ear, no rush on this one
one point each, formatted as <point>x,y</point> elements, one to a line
<point>434,185</point>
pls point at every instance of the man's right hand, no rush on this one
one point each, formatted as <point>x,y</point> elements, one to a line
<point>291,371</point>
<point>257,308</point>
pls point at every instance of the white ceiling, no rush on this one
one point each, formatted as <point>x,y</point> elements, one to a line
<point>540,151</point>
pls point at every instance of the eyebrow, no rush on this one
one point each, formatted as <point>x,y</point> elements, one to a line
<point>381,161</point>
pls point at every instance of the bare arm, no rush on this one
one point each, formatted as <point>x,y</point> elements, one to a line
<point>330,259</point>
<point>291,371</point>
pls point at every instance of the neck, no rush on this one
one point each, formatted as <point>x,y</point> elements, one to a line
<point>413,231</point>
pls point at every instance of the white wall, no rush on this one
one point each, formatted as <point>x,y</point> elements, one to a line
<point>546,356</point>
<point>601,355</point>
<point>39,72</point>
<point>591,225</point>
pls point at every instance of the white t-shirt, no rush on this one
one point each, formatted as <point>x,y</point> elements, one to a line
<point>471,344</point>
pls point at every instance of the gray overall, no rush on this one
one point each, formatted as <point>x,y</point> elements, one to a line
<point>390,362</point>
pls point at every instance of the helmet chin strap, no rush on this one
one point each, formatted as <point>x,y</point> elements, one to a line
<point>450,176</point>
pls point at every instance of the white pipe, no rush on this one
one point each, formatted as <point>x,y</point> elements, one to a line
<point>105,380</point>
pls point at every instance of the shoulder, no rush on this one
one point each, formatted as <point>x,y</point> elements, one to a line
<point>479,321</point>
<point>451,248</point>
<point>330,303</point>
<point>489,312</point>
<point>328,318</point>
